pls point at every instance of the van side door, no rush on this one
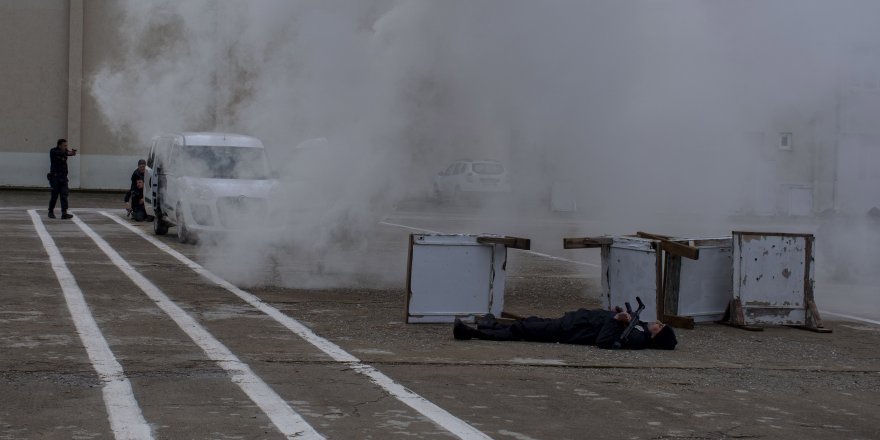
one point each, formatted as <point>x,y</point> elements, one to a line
<point>150,180</point>
<point>172,182</point>
<point>159,183</point>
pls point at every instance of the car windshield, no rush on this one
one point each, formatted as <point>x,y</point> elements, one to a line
<point>223,162</point>
<point>488,168</point>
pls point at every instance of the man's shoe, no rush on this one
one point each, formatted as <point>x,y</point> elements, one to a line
<point>66,216</point>
<point>487,322</point>
<point>461,331</point>
<point>51,214</point>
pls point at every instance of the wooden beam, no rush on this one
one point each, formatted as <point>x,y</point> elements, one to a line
<point>680,250</point>
<point>511,316</point>
<point>672,247</point>
<point>409,258</point>
<point>511,242</point>
<point>653,236</point>
<point>679,321</point>
<point>585,242</point>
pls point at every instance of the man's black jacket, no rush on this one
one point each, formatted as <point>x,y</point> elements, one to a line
<point>135,196</point>
<point>598,327</point>
<point>58,162</point>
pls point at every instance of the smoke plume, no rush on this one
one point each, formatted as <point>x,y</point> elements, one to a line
<point>654,115</point>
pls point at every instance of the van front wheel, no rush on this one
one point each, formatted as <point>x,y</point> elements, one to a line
<point>159,225</point>
<point>184,235</point>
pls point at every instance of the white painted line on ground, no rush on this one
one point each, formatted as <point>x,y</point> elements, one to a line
<point>288,421</point>
<point>552,257</point>
<point>126,419</point>
<point>424,407</point>
<point>855,318</point>
<point>383,222</point>
<point>540,254</point>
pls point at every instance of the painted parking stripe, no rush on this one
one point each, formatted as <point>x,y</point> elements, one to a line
<point>398,225</point>
<point>851,317</point>
<point>288,421</point>
<point>126,419</point>
<point>418,403</point>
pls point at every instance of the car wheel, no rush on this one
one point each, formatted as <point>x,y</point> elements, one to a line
<point>183,233</point>
<point>159,225</point>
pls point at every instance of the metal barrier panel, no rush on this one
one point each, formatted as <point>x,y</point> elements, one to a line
<point>631,268</point>
<point>700,288</point>
<point>773,277</point>
<point>454,276</point>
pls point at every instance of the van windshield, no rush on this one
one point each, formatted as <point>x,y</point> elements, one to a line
<point>223,162</point>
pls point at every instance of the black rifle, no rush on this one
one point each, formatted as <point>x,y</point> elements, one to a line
<point>633,322</point>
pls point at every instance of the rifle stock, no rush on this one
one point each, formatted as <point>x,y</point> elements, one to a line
<point>633,322</point>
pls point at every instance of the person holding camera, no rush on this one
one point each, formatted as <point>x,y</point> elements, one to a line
<point>58,177</point>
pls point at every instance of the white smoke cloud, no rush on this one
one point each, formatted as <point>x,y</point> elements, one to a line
<point>659,115</point>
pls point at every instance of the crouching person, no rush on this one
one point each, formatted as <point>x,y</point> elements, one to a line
<point>584,327</point>
<point>136,199</point>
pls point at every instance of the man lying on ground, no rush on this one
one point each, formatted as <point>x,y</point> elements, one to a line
<point>584,327</point>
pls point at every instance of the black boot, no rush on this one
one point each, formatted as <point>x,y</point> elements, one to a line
<point>66,216</point>
<point>487,322</point>
<point>51,214</point>
<point>462,331</point>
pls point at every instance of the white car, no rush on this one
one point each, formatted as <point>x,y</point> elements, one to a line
<point>471,177</point>
<point>208,183</point>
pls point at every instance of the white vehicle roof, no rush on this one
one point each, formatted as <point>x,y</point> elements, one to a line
<point>477,160</point>
<point>220,139</point>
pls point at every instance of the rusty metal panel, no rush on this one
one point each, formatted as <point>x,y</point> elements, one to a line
<point>630,269</point>
<point>773,276</point>
<point>454,276</point>
<point>701,288</point>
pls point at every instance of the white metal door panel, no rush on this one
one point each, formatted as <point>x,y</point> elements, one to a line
<point>705,289</point>
<point>769,277</point>
<point>631,270</point>
<point>454,276</point>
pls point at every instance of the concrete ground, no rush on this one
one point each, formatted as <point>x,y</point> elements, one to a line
<point>171,350</point>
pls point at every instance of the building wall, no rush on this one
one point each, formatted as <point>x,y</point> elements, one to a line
<point>33,95</point>
<point>51,49</point>
<point>44,96</point>
<point>858,152</point>
<point>111,157</point>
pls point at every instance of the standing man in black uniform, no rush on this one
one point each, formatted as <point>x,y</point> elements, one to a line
<point>58,177</point>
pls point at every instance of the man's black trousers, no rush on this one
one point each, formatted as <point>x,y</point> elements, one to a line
<point>59,189</point>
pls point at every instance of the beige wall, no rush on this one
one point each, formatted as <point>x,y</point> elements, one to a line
<point>50,50</point>
<point>114,156</point>
<point>100,45</point>
<point>33,95</point>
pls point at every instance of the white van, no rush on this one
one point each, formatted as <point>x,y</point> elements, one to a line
<point>207,183</point>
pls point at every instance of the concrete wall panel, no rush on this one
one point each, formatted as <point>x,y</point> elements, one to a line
<point>33,79</point>
<point>93,171</point>
<point>101,46</point>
